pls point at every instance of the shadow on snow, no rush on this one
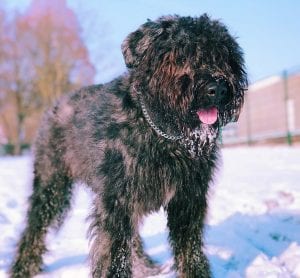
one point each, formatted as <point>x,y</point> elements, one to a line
<point>243,237</point>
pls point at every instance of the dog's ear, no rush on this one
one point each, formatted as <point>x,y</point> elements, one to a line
<point>138,42</point>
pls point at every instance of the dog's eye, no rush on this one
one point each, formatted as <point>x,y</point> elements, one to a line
<point>185,82</point>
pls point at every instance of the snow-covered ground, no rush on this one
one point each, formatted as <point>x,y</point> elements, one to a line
<point>253,225</point>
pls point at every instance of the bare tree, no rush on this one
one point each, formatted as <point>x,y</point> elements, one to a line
<point>9,82</point>
<point>46,59</point>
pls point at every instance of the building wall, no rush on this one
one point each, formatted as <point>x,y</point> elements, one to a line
<point>271,109</point>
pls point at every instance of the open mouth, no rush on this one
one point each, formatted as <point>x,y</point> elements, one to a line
<point>208,116</point>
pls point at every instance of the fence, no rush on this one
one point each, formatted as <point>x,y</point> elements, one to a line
<point>271,112</point>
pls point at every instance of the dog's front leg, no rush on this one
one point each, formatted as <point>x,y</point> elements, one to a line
<point>185,221</point>
<point>113,220</point>
<point>118,227</point>
<point>112,244</point>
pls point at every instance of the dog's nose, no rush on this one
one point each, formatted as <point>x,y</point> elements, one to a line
<point>216,91</point>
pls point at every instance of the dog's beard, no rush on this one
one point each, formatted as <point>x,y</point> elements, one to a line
<point>201,140</point>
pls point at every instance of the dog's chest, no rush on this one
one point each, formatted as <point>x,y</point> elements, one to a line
<point>153,190</point>
<point>157,180</point>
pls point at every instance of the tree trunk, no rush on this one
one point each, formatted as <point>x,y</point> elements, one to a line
<point>20,134</point>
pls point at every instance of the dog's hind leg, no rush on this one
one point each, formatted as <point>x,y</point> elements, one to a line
<point>48,204</point>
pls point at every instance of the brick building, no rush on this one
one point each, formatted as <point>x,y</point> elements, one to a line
<point>271,113</point>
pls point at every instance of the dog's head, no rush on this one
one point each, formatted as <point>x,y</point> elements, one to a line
<point>190,72</point>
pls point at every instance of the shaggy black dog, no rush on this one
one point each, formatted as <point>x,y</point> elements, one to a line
<point>147,139</point>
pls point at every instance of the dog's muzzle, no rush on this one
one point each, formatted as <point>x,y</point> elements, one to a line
<point>196,141</point>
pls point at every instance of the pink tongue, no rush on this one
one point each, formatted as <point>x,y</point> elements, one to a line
<point>208,116</point>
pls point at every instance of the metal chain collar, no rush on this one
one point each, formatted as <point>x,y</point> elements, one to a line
<point>152,124</point>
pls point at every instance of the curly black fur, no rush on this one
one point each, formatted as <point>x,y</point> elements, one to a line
<point>111,138</point>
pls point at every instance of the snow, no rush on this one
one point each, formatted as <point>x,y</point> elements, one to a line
<point>253,223</point>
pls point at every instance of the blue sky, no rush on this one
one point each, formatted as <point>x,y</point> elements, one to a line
<point>267,30</point>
